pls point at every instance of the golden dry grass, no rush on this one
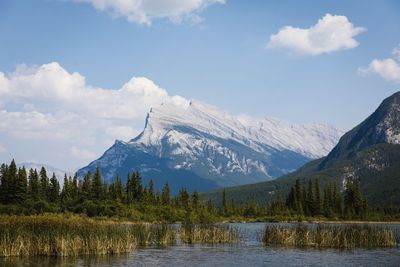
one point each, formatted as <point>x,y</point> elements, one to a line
<point>330,236</point>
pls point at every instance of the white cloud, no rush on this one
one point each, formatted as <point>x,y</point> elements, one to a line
<point>82,153</point>
<point>145,11</point>
<point>396,52</point>
<point>331,33</point>
<point>387,68</point>
<point>44,104</point>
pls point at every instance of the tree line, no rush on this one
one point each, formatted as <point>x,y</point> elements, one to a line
<point>35,192</point>
<point>32,192</point>
<point>330,202</point>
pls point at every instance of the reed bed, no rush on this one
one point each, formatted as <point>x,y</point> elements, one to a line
<point>61,236</point>
<point>329,236</point>
<point>208,234</point>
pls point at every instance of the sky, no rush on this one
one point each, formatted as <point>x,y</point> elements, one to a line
<point>75,75</point>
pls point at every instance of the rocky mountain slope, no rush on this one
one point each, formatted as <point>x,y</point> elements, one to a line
<point>201,147</point>
<point>369,152</point>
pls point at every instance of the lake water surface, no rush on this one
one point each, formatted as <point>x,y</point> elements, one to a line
<point>250,252</point>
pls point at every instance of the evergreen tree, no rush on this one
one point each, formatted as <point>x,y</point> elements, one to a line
<point>357,198</point>
<point>87,187</point>
<point>137,186</point>
<point>129,189</point>
<point>299,197</point>
<point>75,187</point>
<point>97,185</point>
<point>183,197</point>
<point>151,190</point>
<point>165,198</point>
<point>195,199</point>
<point>12,178</point>
<point>119,190</point>
<point>4,184</point>
<point>21,186</point>
<point>44,184</point>
<point>318,202</point>
<point>34,185</point>
<point>66,191</point>
<point>54,190</point>
<point>224,205</point>
<point>310,199</point>
<point>337,200</point>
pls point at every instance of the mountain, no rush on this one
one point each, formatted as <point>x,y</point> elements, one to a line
<point>50,170</point>
<point>200,147</point>
<point>370,152</point>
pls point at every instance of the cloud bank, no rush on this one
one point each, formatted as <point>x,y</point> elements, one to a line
<point>330,34</point>
<point>145,11</point>
<point>46,104</point>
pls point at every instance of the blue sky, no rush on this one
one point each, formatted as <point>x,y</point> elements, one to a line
<point>216,53</point>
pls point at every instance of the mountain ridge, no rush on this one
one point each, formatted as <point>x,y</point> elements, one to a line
<point>215,146</point>
<point>369,152</point>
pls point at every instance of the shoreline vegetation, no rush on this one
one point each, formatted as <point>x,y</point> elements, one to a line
<point>30,192</point>
<point>72,235</point>
<point>330,236</point>
<point>90,217</point>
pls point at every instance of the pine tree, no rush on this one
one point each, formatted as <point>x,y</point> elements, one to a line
<point>224,205</point>
<point>4,184</point>
<point>195,199</point>
<point>183,197</point>
<point>54,190</point>
<point>87,187</point>
<point>34,185</point>
<point>310,199</point>
<point>12,181</point>
<point>299,197</point>
<point>75,187</point>
<point>337,200</point>
<point>21,187</point>
<point>137,186</point>
<point>165,198</point>
<point>66,191</point>
<point>318,202</point>
<point>44,184</point>
<point>119,190</point>
<point>357,198</point>
<point>151,190</point>
<point>97,185</point>
<point>129,189</point>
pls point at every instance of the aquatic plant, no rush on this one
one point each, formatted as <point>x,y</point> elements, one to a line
<point>208,233</point>
<point>72,236</point>
<point>329,236</point>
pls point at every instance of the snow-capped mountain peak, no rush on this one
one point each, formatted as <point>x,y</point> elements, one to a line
<point>200,142</point>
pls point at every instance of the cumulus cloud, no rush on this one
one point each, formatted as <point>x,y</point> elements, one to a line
<point>82,153</point>
<point>396,52</point>
<point>47,103</point>
<point>388,68</point>
<point>331,33</point>
<point>145,11</point>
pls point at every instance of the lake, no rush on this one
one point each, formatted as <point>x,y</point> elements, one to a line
<point>250,252</point>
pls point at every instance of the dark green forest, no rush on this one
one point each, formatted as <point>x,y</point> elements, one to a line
<point>30,192</point>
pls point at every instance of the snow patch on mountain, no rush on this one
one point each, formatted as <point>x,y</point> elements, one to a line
<point>312,140</point>
<point>200,140</point>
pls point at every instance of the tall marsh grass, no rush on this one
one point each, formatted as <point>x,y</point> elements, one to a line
<point>73,236</point>
<point>329,236</point>
<point>208,234</point>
